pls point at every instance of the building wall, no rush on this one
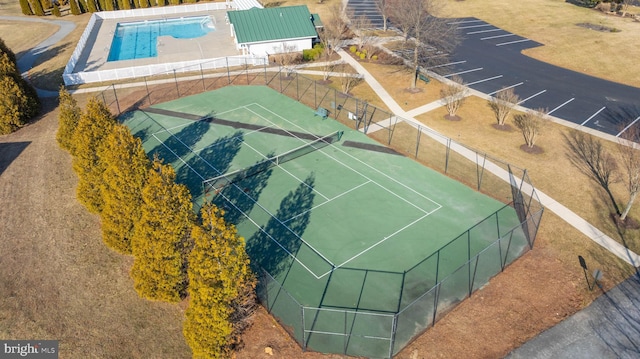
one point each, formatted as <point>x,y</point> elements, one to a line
<point>276,47</point>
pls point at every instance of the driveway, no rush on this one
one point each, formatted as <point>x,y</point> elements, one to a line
<point>608,328</point>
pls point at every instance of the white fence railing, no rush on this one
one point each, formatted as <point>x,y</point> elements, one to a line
<point>76,78</point>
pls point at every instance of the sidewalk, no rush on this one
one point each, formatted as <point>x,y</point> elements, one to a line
<point>563,212</point>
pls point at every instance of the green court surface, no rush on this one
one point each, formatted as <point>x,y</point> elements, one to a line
<point>336,227</point>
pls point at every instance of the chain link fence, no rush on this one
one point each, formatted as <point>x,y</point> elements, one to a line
<point>416,298</point>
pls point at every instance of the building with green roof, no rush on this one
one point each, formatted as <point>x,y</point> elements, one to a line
<point>274,30</point>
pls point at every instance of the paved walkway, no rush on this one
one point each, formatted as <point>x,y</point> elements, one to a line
<point>26,61</point>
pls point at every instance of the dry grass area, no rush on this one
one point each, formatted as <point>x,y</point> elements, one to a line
<point>21,41</point>
<point>610,56</point>
<point>59,281</point>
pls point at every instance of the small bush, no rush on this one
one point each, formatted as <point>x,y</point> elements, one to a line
<point>374,57</point>
<point>353,49</point>
<point>362,56</point>
<point>312,54</point>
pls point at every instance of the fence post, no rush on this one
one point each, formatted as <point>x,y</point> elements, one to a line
<point>417,140</point>
<point>394,328</point>
<point>264,65</point>
<point>315,95</point>
<point>175,79</point>
<point>280,77</point>
<point>304,337</point>
<point>297,87</point>
<point>446,158</point>
<point>246,69</point>
<point>204,87</point>
<point>115,94</point>
<point>228,74</point>
<point>146,86</point>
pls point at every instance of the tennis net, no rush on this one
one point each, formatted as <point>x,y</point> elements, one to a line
<point>215,184</point>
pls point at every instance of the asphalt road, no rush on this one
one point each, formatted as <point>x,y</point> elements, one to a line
<point>608,328</point>
<point>490,59</point>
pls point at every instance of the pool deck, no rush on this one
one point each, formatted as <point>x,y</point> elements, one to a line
<point>215,44</point>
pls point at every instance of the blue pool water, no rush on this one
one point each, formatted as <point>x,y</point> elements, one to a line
<point>138,40</point>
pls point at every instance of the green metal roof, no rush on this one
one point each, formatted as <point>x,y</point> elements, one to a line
<point>275,23</point>
<point>316,20</point>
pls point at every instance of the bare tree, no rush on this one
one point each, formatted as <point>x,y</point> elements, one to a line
<point>454,94</point>
<point>362,27</point>
<point>433,38</point>
<point>502,103</point>
<point>327,65</point>
<point>384,9</point>
<point>531,124</point>
<point>629,152</point>
<point>335,29</point>
<point>349,78</point>
<point>590,157</point>
<point>288,57</point>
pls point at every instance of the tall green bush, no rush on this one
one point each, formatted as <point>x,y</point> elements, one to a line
<point>37,7</point>
<point>126,166</point>
<point>25,7</point>
<point>18,100</point>
<point>221,287</point>
<point>93,127</point>
<point>161,237</point>
<point>74,8</point>
<point>67,119</point>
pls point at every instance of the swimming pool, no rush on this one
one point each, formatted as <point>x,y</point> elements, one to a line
<point>138,40</point>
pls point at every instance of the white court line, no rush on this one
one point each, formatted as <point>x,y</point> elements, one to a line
<point>463,22</point>
<point>550,112</point>
<point>496,36</point>
<point>187,124</point>
<point>482,31</point>
<point>463,72</point>
<point>592,116</point>
<point>359,160</point>
<point>505,88</point>
<point>383,240</point>
<point>255,203</point>
<point>626,128</point>
<point>484,80</point>
<point>472,26</point>
<point>451,63</point>
<point>512,42</point>
<point>328,200</point>
<point>532,96</point>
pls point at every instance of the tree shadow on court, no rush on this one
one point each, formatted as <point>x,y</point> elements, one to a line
<point>270,248</point>
<point>179,143</point>
<point>241,196</point>
<point>210,162</point>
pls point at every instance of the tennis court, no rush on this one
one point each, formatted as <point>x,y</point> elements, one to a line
<point>334,217</point>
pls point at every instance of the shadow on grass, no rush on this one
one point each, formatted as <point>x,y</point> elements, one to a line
<point>9,151</point>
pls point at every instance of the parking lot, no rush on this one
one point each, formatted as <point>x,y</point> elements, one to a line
<point>489,59</point>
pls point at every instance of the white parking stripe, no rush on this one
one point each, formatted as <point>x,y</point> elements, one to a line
<point>497,36</point>
<point>463,72</point>
<point>451,63</point>
<point>463,22</point>
<point>482,31</point>
<point>512,42</point>
<point>505,88</point>
<point>532,96</point>
<point>592,116</point>
<point>552,111</point>
<point>472,26</point>
<point>626,128</point>
<point>485,80</point>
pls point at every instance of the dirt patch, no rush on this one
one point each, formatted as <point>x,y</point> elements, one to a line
<point>452,118</point>
<point>506,127</point>
<point>535,150</point>
<point>595,27</point>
